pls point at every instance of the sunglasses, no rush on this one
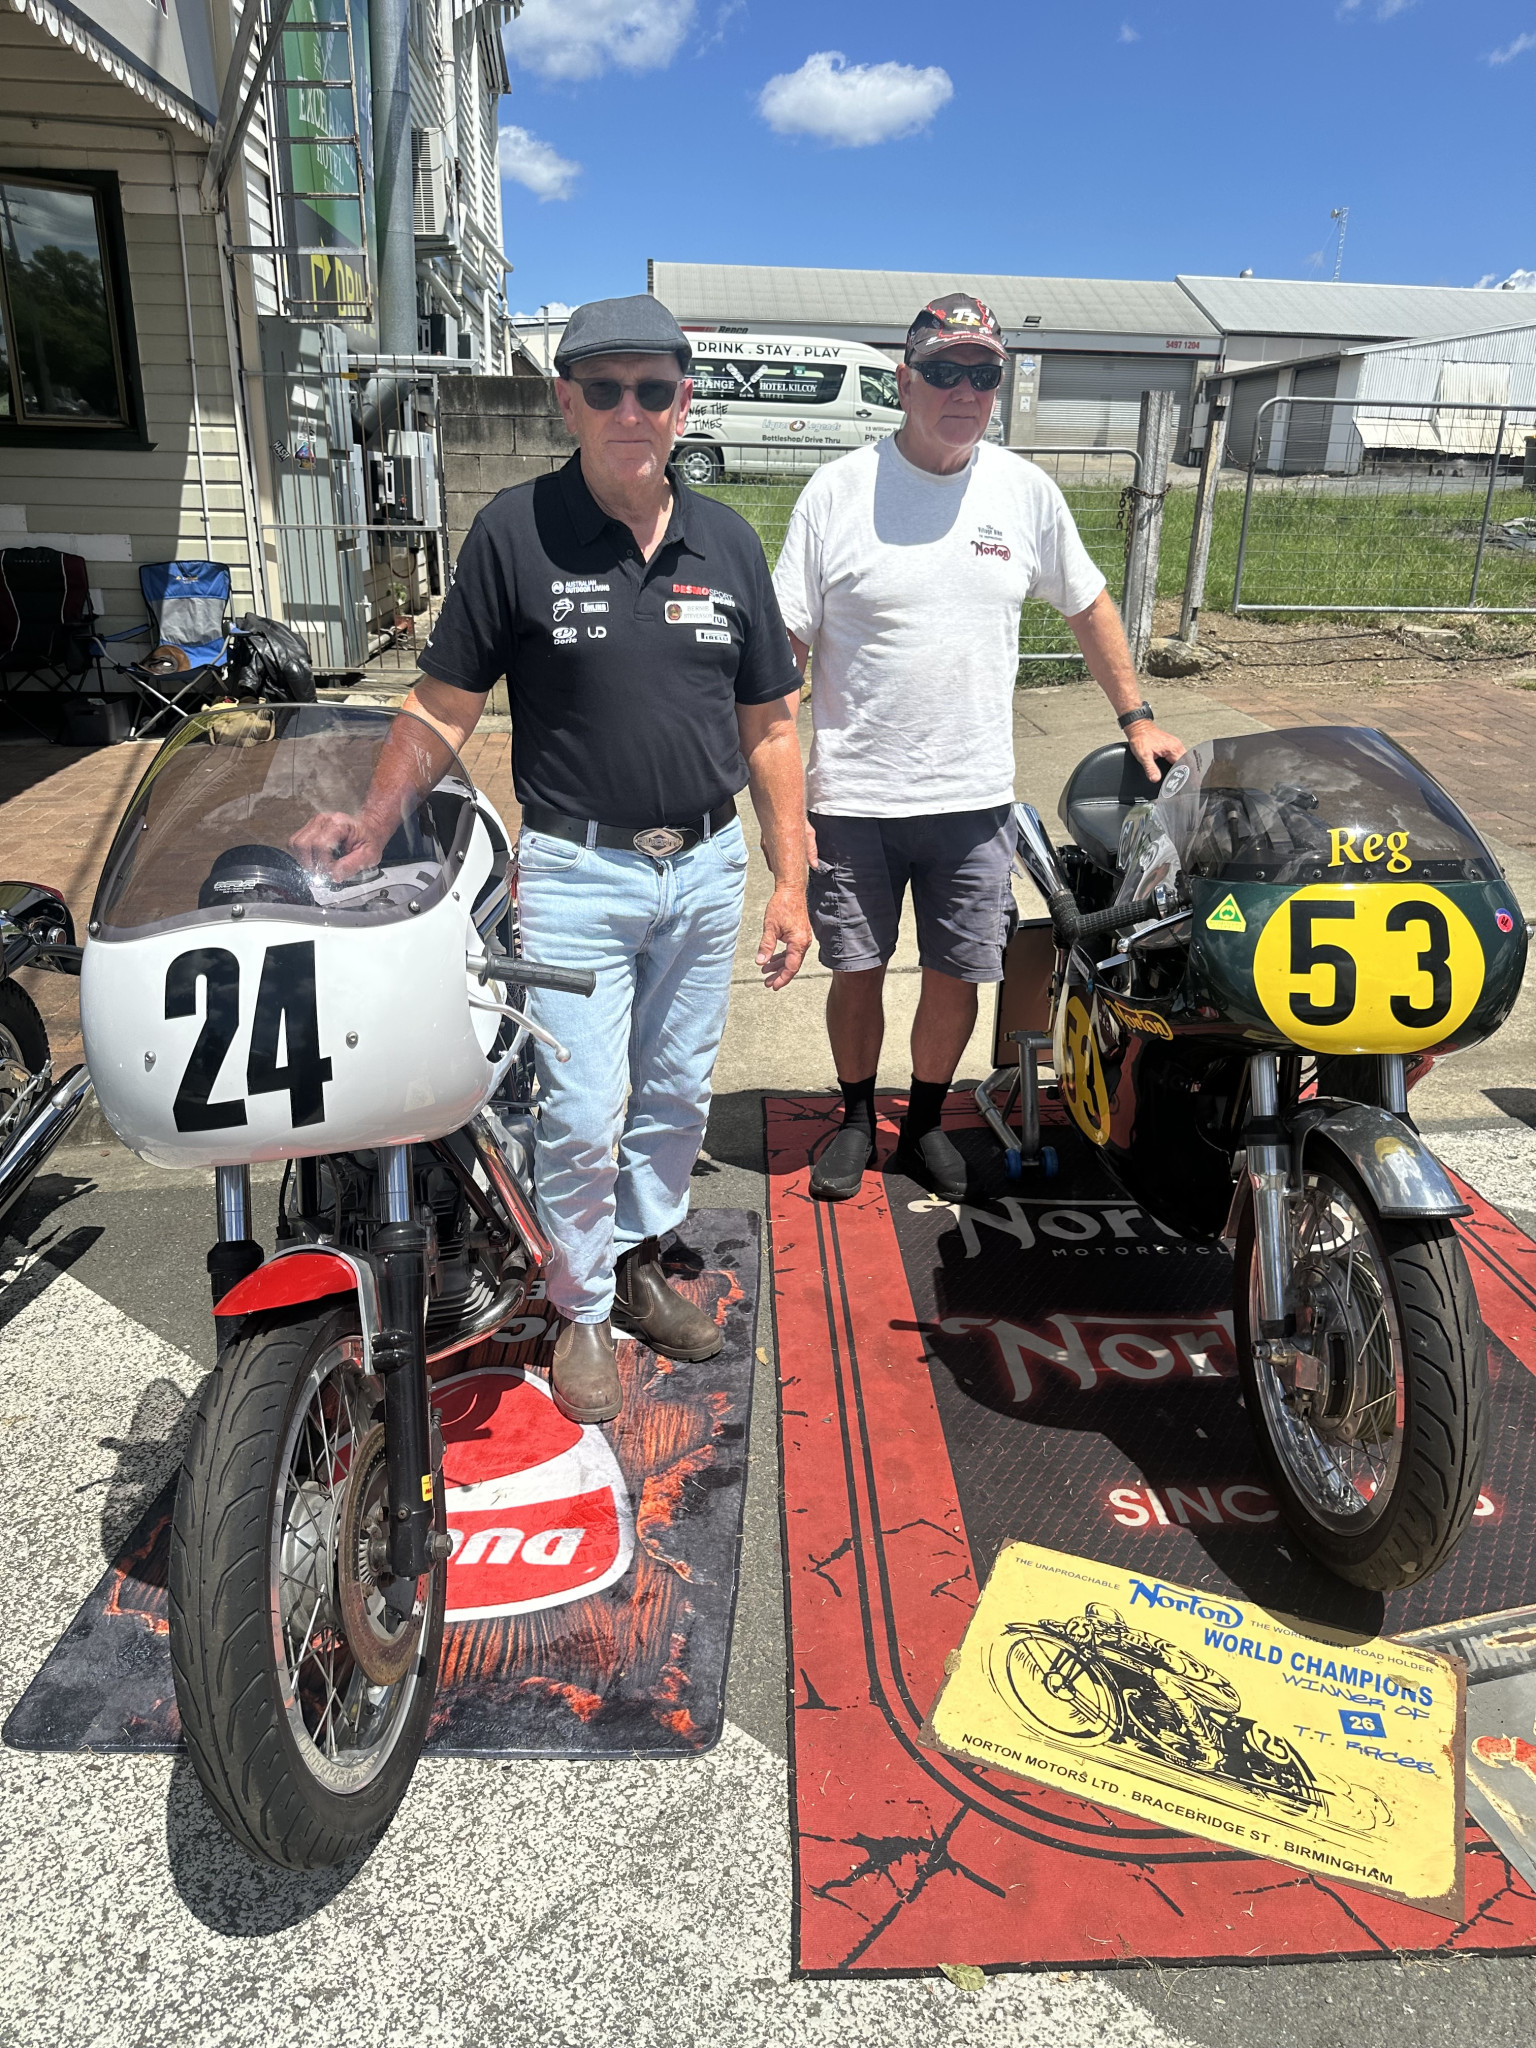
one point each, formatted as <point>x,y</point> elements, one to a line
<point>944,376</point>
<point>653,394</point>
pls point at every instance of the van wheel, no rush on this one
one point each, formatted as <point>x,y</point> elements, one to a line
<point>699,464</point>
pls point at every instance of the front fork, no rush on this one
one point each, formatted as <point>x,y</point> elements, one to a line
<point>1275,1186</point>
<point>400,1248</point>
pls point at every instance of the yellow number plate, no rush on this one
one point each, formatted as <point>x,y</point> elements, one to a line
<point>1082,1077</point>
<point>1392,967</point>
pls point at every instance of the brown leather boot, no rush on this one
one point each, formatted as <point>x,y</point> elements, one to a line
<point>584,1377</point>
<point>645,1304</point>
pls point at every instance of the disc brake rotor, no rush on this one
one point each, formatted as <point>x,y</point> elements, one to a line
<point>382,1645</point>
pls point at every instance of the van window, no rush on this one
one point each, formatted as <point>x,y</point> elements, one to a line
<point>799,383</point>
<point>878,387</point>
<point>722,379</point>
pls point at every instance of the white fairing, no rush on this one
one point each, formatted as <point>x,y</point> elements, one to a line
<point>391,1049</point>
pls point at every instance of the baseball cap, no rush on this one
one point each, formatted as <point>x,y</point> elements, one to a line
<point>947,322</point>
<point>638,326</point>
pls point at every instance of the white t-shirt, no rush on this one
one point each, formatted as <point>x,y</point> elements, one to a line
<point>907,587</point>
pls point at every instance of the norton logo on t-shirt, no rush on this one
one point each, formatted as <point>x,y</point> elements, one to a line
<point>989,541</point>
<point>537,1510</point>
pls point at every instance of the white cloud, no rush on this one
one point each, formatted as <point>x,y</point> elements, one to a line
<point>569,40</point>
<point>1128,34</point>
<point>1517,281</point>
<point>528,161</point>
<point>557,309</point>
<point>853,105</point>
<point>1383,11</point>
<point>1517,48</point>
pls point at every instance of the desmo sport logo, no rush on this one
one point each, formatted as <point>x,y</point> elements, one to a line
<point>538,1513</point>
<point>1174,1600</point>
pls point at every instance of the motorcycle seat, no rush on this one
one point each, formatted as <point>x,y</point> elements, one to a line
<point>1099,791</point>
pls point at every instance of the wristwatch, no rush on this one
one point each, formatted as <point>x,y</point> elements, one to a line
<point>1130,718</point>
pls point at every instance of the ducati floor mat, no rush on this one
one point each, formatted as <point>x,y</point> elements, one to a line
<point>593,1581</point>
<point>1042,1363</point>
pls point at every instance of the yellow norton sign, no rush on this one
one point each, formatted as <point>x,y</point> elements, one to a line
<point>1214,1718</point>
<point>1390,967</point>
<point>1082,1075</point>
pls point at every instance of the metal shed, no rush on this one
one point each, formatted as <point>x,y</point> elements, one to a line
<point>1084,349</point>
<point>1450,396</point>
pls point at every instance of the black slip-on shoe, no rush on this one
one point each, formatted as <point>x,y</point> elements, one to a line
<point>933,1162</point>
<point>839,1172</point>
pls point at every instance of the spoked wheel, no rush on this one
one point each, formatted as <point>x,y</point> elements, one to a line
<point>1059,1690</point>
<point>1377,1467</point>
<point>304,1696</point>
<point>23,1055</point>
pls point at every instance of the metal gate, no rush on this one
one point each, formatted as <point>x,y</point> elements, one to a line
<point>1361,505</point>
<point>357,549</point>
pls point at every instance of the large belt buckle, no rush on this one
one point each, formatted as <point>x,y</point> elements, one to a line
<point>658,842</point>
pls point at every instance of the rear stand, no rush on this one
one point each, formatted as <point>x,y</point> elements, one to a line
<point>1023,1088</point>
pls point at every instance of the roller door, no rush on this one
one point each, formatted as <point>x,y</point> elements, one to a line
<point>1095,401</point>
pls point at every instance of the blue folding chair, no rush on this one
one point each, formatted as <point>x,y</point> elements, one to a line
<point>188,606</point>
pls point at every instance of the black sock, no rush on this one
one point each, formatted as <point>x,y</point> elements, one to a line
<point>925,1106</point>
<point>859,1104</point>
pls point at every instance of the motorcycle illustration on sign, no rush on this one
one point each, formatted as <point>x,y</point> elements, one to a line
<point>245,997</point>
<point>1248,965</point>
<point>1094,1679</point>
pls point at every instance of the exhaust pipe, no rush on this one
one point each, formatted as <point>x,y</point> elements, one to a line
<point>38,1138</point>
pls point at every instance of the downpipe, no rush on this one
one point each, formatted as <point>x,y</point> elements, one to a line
<point>38,1138</point>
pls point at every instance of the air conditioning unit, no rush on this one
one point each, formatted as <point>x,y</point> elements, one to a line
<point>429,160</point>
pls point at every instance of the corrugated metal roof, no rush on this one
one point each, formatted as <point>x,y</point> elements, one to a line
<point>1513,343</point>
<point>765,295</point>
<point>1274,305</point>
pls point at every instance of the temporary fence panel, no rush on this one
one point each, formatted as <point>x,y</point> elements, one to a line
<point>1094,481</point>
<point>359,538</point>
<point>1388,506</point>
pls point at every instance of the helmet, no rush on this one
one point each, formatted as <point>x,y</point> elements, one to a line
<point>1105,1616</point>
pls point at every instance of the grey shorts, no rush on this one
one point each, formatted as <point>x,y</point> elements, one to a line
<point>957,865</point>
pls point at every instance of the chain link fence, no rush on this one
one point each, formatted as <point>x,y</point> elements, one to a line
<point>1093,481</point>
<point>1374,506</point>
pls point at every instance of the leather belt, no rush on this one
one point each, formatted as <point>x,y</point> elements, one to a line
<point>658,842</point>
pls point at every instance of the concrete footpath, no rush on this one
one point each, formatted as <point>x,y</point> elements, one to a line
<point>595,1905</point>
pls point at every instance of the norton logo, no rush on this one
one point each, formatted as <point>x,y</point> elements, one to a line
<point>1177,1601</point>
<point>1226,917</point>
<point>537,1509</point>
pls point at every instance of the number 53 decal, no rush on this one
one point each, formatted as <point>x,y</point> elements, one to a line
<point>1386,968</point>
<point>285,1018</point>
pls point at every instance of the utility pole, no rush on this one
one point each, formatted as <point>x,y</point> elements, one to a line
<point>1341,215</point>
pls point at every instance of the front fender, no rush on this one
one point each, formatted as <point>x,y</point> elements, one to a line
<point>1402,1175</point>
<point>308,1272</point>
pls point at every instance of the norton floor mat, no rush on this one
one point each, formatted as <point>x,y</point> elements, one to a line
<point>1043,1364</point>
<point>593,1582</point>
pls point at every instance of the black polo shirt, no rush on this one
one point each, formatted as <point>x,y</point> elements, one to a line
<point>623,675</point>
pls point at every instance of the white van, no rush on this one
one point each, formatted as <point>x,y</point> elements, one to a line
<point>766,404</point>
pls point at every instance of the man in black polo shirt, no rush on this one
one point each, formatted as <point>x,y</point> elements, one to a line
<point>647,668</point>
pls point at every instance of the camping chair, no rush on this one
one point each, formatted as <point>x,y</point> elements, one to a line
<point>188,604</point>
<point>46,619</point>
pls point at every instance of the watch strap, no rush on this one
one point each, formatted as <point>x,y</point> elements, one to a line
<point>1142,711</point>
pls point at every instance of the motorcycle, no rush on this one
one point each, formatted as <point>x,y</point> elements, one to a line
<point>1242,971</point>
<point>36,1110</point>
<point>364,1028</point>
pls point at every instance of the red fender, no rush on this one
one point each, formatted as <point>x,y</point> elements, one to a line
<point>289,1279</point>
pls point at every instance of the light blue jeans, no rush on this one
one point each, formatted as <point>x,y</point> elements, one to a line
<point>661,937</point>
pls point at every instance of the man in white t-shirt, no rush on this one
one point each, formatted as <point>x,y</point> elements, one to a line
<point>904,568</point>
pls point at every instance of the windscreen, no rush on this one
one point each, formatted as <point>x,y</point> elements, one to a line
<point>324,813</point>
<point>1317,804</point>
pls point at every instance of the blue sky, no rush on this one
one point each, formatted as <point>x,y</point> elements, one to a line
<point>1134,139</point>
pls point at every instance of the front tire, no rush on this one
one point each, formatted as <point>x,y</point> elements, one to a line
<point>303,1757</point>
<point>699,464</point>
<point>1377,1472</point>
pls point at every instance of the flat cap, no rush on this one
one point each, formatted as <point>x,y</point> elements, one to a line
<point>641,326</point>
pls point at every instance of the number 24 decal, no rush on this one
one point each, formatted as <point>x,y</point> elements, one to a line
<point>285,1010</point>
